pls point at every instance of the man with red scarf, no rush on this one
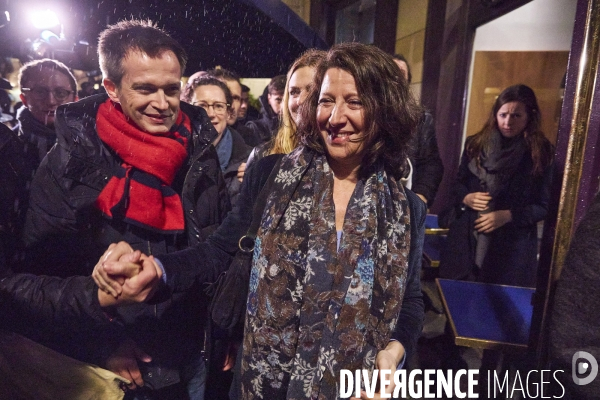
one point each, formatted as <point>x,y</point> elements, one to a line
<point>136,165</point>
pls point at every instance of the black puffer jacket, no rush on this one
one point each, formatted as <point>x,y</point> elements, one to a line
<point>64,228</point>
<point>31,304</point>
<point>66,234</point>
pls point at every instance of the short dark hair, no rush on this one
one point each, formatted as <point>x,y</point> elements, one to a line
<point>206,81</point>
<point>277,84</point>
<point>245,89</point>
<point>225,74</point>
<point>31,68</point>
<point>134,35</point>
<point>400,57</point>
<point>391,114</point>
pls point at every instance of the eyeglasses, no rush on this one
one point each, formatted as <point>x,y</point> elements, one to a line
<point>218,106</point>
<point>41,93</point>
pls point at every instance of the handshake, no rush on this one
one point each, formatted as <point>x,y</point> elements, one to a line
<point>125,276</point>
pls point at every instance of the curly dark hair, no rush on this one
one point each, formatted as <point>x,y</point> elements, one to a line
<point>391,114</point>
<point>137,35</point>
<point>541,150</point>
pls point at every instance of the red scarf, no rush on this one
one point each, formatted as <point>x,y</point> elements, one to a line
<point>140,191</point>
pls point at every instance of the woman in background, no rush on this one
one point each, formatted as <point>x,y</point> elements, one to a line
<point>501,193</point>
<point>216,99</point>
<point>299,79</point>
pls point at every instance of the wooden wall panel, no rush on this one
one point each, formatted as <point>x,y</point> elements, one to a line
<point>493,71</point>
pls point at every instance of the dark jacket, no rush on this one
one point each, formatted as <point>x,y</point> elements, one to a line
<point>267,125</point>
<point>21,151</point>
<point>250,137</point>
<point>428,169</point>
<point>512,255</point>
<point>42,305</point>
<point>239,154</point>
<point>67,234</point>
<point>199,263</point>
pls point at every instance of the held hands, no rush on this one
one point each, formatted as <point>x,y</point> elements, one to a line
<point>491,221</point>
<point>478,201</point>
<point>125,276</point>
<point>387,359</point>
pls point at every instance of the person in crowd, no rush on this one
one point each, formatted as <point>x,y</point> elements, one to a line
<point>247,111</point>
<point>232,80</point>
<point>298,82</point>
<point>574,322</point>
<point>214,96</point>
<point>347,293</point>
<point>299,79</point>
<point>134,164</point>
<point>45,85</point>
<point>428,169</point>
<point>266,127</point>
<point>501,193</point>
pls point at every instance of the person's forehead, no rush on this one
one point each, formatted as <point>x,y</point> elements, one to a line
<point>209,92</point>
<point>47,76</point>
<point>135,60</point>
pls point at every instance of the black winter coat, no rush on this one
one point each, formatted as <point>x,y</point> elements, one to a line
<point>38,306</point>
<point>512,255</point>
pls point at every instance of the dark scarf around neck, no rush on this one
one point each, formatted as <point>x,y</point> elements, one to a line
<point>499,162</point>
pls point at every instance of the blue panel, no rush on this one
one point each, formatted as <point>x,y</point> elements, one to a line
<point>431,221</point>
<point>282,15</point>
<point>489,312</point>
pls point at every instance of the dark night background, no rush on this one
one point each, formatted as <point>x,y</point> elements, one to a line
<point>234,34</point>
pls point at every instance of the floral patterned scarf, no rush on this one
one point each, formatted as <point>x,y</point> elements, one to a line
<point>313,310</point>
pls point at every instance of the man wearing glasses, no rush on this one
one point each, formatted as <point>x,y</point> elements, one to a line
<point>45,85</point>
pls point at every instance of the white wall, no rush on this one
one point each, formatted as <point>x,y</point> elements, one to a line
<point>541,25</point>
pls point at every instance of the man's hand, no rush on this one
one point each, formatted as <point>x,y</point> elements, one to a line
<point>491,221</point>
<point>241,171</point>
<point>478,201</point>
<point>387,359</point>
<point>112,285</point>
<point>138,286</point>
<point>123,362</point>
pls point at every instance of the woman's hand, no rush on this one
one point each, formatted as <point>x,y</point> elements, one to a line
<point>491,221</point>
<point>478,201</point>
<point>387,359</point>
<point>241,171</point>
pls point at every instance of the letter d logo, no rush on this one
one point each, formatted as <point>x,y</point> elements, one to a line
<point>580,367</point>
